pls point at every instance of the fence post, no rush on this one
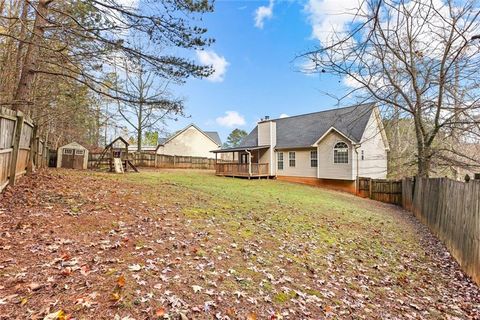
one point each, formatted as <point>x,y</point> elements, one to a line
<point>370,184</point>
<point>16,148</point>
<point>33,151</point>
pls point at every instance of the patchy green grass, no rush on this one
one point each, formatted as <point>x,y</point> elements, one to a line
<point>193,244</point>
<point>265,209</point>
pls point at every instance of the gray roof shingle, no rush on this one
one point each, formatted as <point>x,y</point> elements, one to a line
<point>304,130</point>
<point>214,136</point>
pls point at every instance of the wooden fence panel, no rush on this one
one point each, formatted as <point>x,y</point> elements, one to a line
<point>7,127</point>
<point>451,210</point>
<point>16,132</point>
<point>152,160</point>
<point>22,161</point>
<point>7,131</point>
<point>389,191</point>
<point>407,193</point>
<point>5,160</point>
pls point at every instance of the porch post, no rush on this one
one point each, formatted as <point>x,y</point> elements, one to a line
<point>249,163</point>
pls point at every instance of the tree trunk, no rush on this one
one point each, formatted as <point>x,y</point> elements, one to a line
<point>27,74</point>
<point>139,128</point>
<point>424,161</point>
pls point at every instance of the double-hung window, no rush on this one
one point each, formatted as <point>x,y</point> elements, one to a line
<point>291,159</point>
<point>313,159</point>
<point>280,161</point>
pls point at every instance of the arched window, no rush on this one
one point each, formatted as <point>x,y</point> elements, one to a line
<point>340,153</point>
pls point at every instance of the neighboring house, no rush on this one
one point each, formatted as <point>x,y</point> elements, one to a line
<point>149,149</point>
<point>330,148</point>
<point>190,141</point>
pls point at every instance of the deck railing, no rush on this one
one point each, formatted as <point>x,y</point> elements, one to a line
<point>241,169</point>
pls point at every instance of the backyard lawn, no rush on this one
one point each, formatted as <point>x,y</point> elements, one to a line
<point>189,245</point>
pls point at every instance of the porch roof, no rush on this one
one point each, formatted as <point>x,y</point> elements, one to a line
<point>235,149</point>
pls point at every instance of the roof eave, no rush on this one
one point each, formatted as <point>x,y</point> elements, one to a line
<point>332,128</point>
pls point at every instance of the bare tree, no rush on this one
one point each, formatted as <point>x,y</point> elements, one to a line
<point>153,103</point>
<point>418,60</point>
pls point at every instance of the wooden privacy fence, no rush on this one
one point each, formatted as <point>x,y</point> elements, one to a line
<point>389,191</point>
<point>146,159</point>
<point>19,149</point>
<point>451,209</point>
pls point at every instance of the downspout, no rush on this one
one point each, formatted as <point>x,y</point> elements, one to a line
<point>356,147</point>
<point>249,163</point>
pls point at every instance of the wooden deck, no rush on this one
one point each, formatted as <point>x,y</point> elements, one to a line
<point>253,170</point>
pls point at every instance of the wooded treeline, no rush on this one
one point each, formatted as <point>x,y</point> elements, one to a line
<point>63,62</point>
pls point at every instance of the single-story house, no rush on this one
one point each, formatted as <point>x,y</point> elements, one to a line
<point>328,148</point>
<point>147,148</point>
<point>190,141</point>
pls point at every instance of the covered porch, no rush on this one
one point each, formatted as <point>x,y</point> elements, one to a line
<point>243,162</point>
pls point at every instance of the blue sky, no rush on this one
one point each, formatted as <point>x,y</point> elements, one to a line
<point>256,72</point>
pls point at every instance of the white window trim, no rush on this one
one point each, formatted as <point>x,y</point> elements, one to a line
<point>311,159</point>
<point>294,159</point>
<point>67,153</point>
<point>278,161</point>
<point>79,152</point>
<point>348,152</point>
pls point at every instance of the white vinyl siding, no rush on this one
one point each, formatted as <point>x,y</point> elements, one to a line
<point>302,164</point>
<point>373,157</point>
<point>191,142</point>
<point>327,169</point>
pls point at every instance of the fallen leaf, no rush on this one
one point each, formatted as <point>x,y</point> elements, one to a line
<point>197,289</point>
<point>121,281</point>
<point>134,267</point>
<point>116,296</point>
<point>252,316</point>
<point>59,315</point>
<point>160,312</point>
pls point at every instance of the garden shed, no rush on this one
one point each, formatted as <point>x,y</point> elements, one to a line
<point>73,156</point>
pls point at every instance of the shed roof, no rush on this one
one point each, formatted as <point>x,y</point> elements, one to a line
<point>73,145</point>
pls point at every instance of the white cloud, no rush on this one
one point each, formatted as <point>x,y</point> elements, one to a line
<point>350,82</point>
<point>262,13</point>
<point>284,115</point>
<point>231,119</point>
<point>219,64</point>
<point>330,16</point>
